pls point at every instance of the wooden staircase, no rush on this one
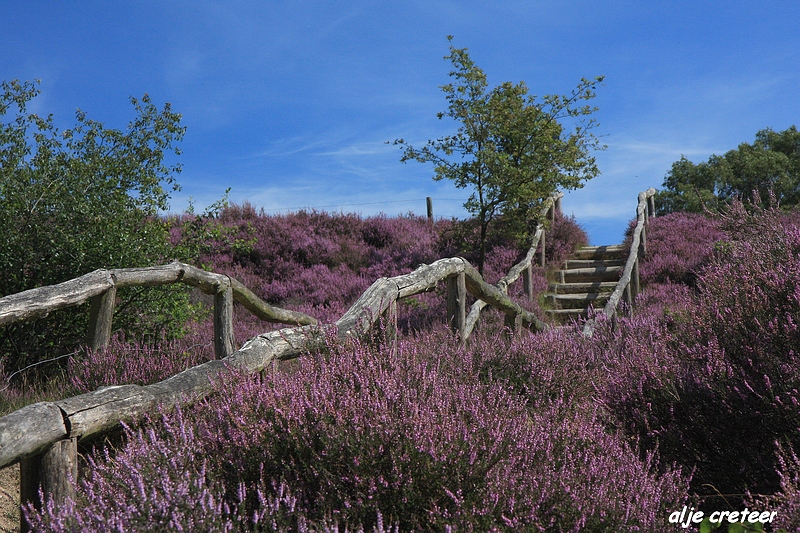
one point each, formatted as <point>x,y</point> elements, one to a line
<point>586,279</point>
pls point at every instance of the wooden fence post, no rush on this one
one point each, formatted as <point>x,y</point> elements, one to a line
<point>628,298</point>
<point>643,243</point>
<point>390,326</point>
<point>429,204</point>
<point>223,321</point>
<point>527,282</point>
<point>513,323</point>
<point>635,280</point>
<point>558,205</point>
<point>456,304</point>
<point>542,242</point>
<point>100,317</point>
<point>53,471</point>
<point>651,206</point>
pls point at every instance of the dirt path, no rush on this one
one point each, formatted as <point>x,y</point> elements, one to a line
<point>9,499</point>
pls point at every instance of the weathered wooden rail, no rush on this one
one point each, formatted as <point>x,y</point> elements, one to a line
<point>628,286</point>
<point>43,437</point>
<point>101,287</point>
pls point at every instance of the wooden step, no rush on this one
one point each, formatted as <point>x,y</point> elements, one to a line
<point>611,251</point>
<point>570,264</point>
<point>586,286</point>
<point>563,316</point>
<point>592,274</point>
<point>578,300</point>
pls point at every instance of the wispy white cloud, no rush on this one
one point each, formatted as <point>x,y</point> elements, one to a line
<point>285,147</point>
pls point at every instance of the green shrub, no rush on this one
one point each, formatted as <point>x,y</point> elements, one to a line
<point>80,199</point>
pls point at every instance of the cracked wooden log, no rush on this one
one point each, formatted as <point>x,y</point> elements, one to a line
<point>426,277</point>
<point>379,296</point>
<point>148,276</point>
<point>512,276</point>
<point>29,431</point>
<point>527,283</point>
<point>265,311</point>
<point>372,304</point>
<point>100,318</point>
<point>224,343</point>
<point>39,302</point>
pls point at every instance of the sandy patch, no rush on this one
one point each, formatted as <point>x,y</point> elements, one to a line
<point>9,499</point>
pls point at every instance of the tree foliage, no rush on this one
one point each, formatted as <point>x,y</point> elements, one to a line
<point>510,147</point>
<point>769,166</point>
<point>76,200</point>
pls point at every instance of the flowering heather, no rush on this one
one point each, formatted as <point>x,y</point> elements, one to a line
<point>678,245</point>
<point>130,362</point>
<point>713,379</point>
<point>367,439</point>
<point>319,263</point>
<point>786,502</point>
<point>564,236</point>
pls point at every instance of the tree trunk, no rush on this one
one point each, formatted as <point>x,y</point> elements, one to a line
<point>482,248</point>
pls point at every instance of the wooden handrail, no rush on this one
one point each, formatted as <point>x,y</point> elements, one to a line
<point>29,430</point>
<point>628,284</point>
<point>100,286</point>
<point>551,205</point>
<point>46,433</point>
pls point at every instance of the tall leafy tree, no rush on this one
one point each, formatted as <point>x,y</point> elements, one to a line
<point>510,147</point>
<point>769,166</point>
<point>76,200</point>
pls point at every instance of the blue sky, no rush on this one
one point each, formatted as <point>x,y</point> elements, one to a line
<point>290,103</point>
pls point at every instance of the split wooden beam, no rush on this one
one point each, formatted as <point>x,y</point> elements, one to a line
<point>499,299</point>
<point>100,287</point>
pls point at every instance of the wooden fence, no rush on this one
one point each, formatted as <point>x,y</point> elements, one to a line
<point>629,286</point>
<point>43,436</point>
<point>101,287</point>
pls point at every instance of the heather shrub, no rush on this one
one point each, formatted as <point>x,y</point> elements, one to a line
<point>752,290</point>
<point>678,245</point>
<point>786,502</point>
<point>563,237</point>
<point>363,438</point>
<point>164,484</point>
<point>320,263</point>
<point>556,365</point>
<point>713,382</point>
<point>317,262</point>
<point>748,314</point>
<point>127,361</point>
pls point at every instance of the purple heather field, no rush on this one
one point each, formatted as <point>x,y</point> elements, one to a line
<point>691,399</point>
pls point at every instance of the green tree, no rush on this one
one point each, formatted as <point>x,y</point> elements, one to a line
<point>511,148</point>
<point>769,166</point>
<point>80,199</point>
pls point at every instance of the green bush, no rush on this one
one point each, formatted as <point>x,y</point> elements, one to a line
<point>80,199</point>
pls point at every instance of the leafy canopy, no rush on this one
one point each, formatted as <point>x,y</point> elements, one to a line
<point>510,147</point>
<point>76,200</point>
<point>769,166</point>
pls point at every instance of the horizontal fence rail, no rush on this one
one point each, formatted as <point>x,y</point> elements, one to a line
<point>101,285</point>
<point>628,285</point>
<point>43,436</point>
